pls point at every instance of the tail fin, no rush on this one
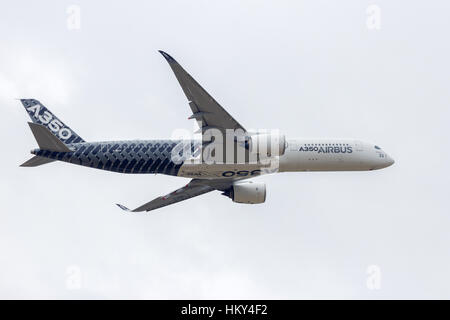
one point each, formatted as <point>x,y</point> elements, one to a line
<point>36,161</point>
<point>47,140</point>
<point>39,114</point>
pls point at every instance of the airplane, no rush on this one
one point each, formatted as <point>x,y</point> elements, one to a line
<point>222,168</point>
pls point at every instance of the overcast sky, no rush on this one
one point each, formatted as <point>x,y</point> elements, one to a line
<point>309,68</point>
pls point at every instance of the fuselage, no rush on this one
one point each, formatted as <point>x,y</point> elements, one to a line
<point>156,156</point>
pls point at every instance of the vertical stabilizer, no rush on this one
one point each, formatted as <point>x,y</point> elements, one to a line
<point>39,114</point>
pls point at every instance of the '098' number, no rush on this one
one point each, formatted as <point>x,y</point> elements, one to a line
<point>241,173</point>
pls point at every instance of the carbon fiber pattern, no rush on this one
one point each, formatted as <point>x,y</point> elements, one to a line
<point>149,156</point>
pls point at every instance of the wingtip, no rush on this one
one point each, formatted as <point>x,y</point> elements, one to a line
<point>123,207</point>
<point>167,56</point>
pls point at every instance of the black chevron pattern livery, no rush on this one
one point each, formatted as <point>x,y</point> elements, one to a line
<point>146,156</point>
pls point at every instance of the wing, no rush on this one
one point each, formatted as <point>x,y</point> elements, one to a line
<point>194,188</point>
<point>206,110</point>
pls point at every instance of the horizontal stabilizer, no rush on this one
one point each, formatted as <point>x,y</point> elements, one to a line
<point>47,140</point>
<point>36,161</point>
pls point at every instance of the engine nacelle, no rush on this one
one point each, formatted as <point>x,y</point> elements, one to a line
<point>267,145</point>
<point>247,192</point>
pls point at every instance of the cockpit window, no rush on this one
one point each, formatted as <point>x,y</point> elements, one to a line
<point>377,147</point>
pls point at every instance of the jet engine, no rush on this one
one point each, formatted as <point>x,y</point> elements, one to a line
<point>266,145</point>
<point>247,192</point>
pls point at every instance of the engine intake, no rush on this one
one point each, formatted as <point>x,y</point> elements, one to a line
<point>247,192</point>
<point>267,145</point>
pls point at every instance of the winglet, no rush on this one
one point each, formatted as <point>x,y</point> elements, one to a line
<point>167,56</point>
<point>123,207</point>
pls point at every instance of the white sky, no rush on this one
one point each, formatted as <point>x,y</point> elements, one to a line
<point>311,68</point>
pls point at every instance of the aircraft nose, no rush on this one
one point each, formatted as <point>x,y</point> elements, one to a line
<point>390,161</point>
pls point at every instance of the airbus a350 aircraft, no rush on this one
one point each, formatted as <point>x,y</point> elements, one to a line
<point>209,161</point>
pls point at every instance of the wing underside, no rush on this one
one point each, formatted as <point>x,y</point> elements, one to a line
<point>194,188</point>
